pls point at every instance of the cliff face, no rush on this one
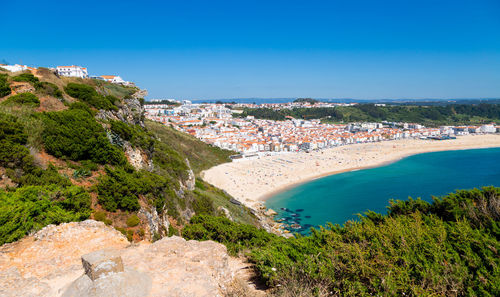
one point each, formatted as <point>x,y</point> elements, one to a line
<point>48,262</point>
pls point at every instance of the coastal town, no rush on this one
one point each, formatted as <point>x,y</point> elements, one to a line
<point>217,124</point>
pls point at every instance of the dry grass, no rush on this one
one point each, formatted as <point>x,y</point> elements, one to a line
<point>49,103</point>
<point>238,288</point>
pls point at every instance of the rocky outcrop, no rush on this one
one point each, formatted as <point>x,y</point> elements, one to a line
<point>105,276</point>
<point>140,94</point>
<point>21,87</point>
<point>137,158</point>
<point>130,111</point>
<point>49,263</point>
<point>190,182</point>
<point>157,224</point>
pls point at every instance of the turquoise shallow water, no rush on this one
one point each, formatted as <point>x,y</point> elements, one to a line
<point>338,198</point>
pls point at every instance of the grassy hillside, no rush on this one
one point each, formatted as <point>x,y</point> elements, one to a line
<point>200,155</point>
<point>448,248</point>
<point>72,161</point>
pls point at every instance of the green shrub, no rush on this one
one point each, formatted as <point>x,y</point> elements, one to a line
<point>449,247</point>
<point>48,89</point>
<point>23,99</point>
<point>133,221</point>
<point>27,77</point>
<point>88,165</point>
<point>11,130</point>
<point>31,208</point>
<point>130,235</point>
<point>4,85</point>
<point>89,95</point>
<point>236,237</point>
<point>14,155</point>
<point>172,231</point>
<point>122,230</point>
<point>36,176</point>
<point>75,134</point>
<point>120,188</point>
<point>202,205</point>
<point>134,134</point>
<point>100,216</point>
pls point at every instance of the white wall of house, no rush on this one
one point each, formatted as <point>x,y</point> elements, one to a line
<point>72,71</point>
<point>14,68</point>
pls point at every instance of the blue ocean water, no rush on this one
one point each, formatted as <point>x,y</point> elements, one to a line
<point>338,198</point>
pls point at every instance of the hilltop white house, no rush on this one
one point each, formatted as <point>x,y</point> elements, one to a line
<point>115,79</point>
<point>14,68</point>
<point>72,71</point>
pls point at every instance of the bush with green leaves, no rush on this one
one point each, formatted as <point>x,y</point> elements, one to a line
<point>48,89</point>
<point>90,96</point>
<point>236,237</point>
<point>134,134</point>
<point>27,77</point>
<point>29,99</point>
<point>133,221</point>
<point>120,188</point>
<point>449,247</point>
<point>75,134</point>
<point>4,85</point>
<point>31,208</point>
<point>16,158</point>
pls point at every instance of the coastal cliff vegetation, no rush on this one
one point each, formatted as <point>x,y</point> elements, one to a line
<point>446,248</point>
<point>73,149</point>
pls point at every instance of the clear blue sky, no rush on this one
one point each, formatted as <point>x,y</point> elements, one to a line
<point>233,49</point>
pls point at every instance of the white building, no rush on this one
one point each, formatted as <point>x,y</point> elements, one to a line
<point>14,68</point>
<point>113,79</point>
<point>72,71</point>
<point>488,128</point>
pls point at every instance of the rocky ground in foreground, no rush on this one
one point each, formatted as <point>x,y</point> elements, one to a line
<point>49,262</point>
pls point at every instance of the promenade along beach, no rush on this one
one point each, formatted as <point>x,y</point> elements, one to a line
<point>252,181</point>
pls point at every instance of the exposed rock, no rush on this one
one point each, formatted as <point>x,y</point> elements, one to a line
<point>270,212</point>
<point>101,262</point>
<point>226,212</point>
<point>131,111</point>
<point>129,283</point>
<point>137,157</point>
<point>21,87</point>
<point>190,182</point>
<point>49,264</point>
<point>140,94</point>
<point>105,276</point>
<point>157,224</point>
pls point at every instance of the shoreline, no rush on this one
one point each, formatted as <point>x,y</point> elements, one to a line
<point>252,187</point>
<point>291,186</point>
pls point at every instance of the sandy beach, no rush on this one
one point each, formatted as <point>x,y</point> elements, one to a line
<point>252,181</point>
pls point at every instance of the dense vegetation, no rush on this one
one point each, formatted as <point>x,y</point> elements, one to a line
<point>89,95</point>
<point>75,134</point>
<point>447,248</point>
<point>33,207</point>
<point>48,89</point>
<point>120,188</point>
<point>26,77</point>
<point>427,115</point>
<point>4,85</point>
<point>308,100</point>
<point>23,98</point>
